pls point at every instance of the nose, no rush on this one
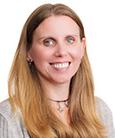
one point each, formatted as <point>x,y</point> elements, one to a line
<point>61,49</point>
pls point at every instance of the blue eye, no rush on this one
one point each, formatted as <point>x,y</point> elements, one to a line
<point>70,40</point>
<point>49,42</point>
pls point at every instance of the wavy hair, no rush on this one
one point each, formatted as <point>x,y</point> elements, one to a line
<point>25,91</point>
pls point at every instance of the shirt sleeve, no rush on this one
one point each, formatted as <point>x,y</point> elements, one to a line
<point>4,129</point>
<point>106,117</point>
<point>11,123</point>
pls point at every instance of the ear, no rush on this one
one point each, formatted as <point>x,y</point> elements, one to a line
<point>83,46</point>
<point>29,57</point>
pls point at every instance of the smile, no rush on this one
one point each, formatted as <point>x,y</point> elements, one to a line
<point>61,65</point>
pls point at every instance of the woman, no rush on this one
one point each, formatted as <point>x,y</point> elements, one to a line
<point>51,92</point>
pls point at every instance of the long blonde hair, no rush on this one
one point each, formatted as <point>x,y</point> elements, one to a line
<point>26,94</point>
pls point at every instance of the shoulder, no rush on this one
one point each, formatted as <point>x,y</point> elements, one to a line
<point>105,115</point>
<point>5,110</point>
<point>11,124</point>
<point>102,108</point>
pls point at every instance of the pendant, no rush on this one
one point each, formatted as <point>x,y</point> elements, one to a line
<point>61,108</point>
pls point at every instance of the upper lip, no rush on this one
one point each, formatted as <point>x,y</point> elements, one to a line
<point>58,62</point>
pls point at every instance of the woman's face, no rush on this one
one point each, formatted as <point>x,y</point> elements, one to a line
<point>57,49</point>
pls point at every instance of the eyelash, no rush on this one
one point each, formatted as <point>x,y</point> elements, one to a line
<point>71,38</point>
<point>47,41</point>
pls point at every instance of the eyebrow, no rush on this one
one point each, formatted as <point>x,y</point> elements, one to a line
<point>49,36</point>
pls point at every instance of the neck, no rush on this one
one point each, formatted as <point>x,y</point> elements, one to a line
<point>56,91</point>
<point>61,92</point>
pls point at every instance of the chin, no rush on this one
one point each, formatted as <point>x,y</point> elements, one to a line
<point>61,80</point>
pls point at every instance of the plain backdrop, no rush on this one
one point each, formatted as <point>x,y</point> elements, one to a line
<point>99,21</point>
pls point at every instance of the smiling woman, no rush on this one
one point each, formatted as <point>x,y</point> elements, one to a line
<point>57,54</point>
<point>50,85</point>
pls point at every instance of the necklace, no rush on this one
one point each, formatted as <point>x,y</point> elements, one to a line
<point>61,104</point>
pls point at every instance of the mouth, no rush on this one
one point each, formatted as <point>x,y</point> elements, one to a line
<point>60,65</point>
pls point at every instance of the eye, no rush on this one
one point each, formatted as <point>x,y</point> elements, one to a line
<point>70,39</point>
<point>49,42</point>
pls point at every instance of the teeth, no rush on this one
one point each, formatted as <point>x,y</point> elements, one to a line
<point>61,65</point>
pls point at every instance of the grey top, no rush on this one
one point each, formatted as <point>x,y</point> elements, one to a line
<point>11,125</point>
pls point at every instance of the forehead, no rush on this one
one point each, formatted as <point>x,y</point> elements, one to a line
<point>57,25</point>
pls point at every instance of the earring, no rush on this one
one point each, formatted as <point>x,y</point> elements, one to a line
<point>29,61</point>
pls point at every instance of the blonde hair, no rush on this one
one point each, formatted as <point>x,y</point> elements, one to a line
<point>25,91</point>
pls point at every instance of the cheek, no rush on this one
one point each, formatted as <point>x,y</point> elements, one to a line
<point>39,61</point>
<point>36,53</point>
<point>38,56</point>
<point>77,53</point>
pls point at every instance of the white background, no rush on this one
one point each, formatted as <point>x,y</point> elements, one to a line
<point>98,17</point>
